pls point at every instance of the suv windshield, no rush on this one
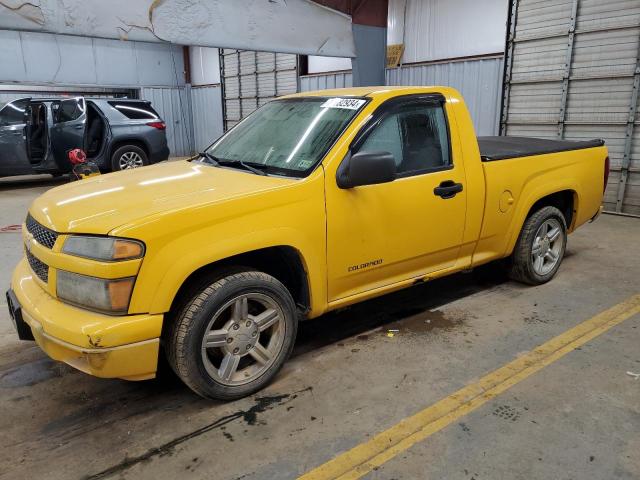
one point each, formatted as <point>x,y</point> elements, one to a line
<point>287,136</point>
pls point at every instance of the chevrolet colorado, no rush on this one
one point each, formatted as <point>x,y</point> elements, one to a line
<point>314,202</point>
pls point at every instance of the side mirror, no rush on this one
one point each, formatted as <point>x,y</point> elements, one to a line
<point>366,168</point>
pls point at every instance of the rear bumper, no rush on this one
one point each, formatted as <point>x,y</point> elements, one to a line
<point>598,213</point>
<point>100,345</point>
<point>159,155</point>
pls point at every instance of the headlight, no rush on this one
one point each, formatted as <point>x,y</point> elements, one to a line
<point>103,248</point>
<point>106,295</point>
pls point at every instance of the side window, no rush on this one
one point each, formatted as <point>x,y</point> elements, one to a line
<point>136,110</point>
<point>387,137</point>
<point>417,137</point>
<point>67,110</point>
<point>13,113</point>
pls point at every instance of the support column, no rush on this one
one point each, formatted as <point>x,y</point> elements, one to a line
<point>369,24</point>
<point>369,27</point>
<point>368,67</point>
<point>628,140</point>
<point>567,68</point>
<point>508,66</point>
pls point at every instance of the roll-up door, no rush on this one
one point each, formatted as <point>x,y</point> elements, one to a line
<point>573,71</point>
<point>251,79</point>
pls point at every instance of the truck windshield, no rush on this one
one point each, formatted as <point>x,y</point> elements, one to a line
<point>287,137</point>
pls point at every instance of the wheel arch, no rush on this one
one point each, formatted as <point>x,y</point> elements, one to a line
<point>564,199</point>
<point>121,142</point>
<point>283,262</point>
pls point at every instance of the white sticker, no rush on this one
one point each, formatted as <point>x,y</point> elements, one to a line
<point>304,164</point>
<point>348,103</point>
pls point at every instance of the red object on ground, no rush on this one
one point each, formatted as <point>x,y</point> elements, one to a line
<point>77,156</point>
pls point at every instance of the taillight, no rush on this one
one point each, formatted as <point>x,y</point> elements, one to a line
<point>158,125</point>
<point>606,174</point>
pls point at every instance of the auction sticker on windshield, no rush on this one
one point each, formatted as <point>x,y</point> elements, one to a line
<point>348,103</point>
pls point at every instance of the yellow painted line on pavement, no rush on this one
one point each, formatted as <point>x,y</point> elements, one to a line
<point>363,458</point>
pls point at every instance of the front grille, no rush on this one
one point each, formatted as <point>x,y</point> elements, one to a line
<point>39,268</point>
<point>43,235</point>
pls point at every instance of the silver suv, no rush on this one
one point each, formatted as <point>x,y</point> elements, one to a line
<point>36,135</point>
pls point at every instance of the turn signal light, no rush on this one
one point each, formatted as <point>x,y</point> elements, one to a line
<point>123,249</point>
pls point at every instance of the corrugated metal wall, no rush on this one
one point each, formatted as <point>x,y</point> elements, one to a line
<point>251,79</point>
<point>309,83</point>
<point>440,29</point>
<point>174,106</point>
<point>478,80</point>
<point>573,71</point>
<point>45,58</point>
<point>206,103</point>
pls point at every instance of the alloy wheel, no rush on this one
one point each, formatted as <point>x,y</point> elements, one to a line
<point>130,160</point>
<point>242,339</point>
<point>547,246</point>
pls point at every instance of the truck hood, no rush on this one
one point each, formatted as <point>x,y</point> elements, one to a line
<point>100,204</point>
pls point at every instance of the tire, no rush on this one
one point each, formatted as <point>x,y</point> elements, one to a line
<point>233,335</point>
<point>127,157</point>
<point>537,257</point>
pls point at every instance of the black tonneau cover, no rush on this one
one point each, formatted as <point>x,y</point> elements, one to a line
<point>500,148</point>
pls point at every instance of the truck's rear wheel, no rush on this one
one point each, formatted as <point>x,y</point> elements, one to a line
<point>233,336</point>
<point>540,248</point>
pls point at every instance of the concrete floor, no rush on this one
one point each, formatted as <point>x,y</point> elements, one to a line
<point>578,418</point>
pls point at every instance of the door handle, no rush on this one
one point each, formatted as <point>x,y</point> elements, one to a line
<point>447,189</point>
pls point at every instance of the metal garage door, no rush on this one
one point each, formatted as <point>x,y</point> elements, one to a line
<point>250,79</point>
<point>573,71</point>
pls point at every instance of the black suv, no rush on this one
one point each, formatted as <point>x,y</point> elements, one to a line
<point>36,135</point>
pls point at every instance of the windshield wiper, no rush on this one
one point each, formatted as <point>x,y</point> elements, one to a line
<point>246,166</point>
<point>212,159</point>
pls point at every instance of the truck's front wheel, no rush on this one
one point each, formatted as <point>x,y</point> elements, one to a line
<point>233,336</point>
<point>540,248</point>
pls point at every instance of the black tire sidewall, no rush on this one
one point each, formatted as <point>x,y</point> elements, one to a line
<point>531,227</point>
<point>232,286</point>
<point>115,157</point>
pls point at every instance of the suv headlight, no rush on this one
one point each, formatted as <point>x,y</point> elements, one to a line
<point>105,295</point>
<point>103,248</point>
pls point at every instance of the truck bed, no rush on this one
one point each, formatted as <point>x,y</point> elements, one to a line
<point>501,148</point>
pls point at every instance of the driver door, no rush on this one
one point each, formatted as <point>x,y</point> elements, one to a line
<point>13,139</point>
<point>379,235</point>
<point>68,130</point>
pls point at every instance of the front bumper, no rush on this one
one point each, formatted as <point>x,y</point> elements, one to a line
<point>101,345</point>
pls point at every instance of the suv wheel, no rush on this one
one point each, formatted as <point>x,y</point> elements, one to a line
<point>232,336</point>
<point>540,248</point>
<point>128,157</point>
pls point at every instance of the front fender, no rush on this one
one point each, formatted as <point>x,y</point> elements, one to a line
<point>181,242</point>
<point>177,272</point>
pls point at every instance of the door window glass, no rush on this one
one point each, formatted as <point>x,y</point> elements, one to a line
<point>417,137</point>
<point>67,110</point>
<point>13,113</point>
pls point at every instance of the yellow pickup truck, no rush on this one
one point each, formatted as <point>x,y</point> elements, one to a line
<point>314,202</point>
